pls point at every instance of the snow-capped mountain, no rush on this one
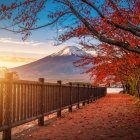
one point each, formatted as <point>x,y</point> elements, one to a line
<point>57,66</point>
<point>70,50</point>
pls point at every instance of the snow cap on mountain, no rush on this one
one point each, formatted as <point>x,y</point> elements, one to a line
<point>70,50</point>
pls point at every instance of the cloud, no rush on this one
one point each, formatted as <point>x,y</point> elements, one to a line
<point>16,59</point>
<point>36,49</point>
<point>60,30</point>
<point>14,45</point>
<point>16,42</point>
<point>63,29</point>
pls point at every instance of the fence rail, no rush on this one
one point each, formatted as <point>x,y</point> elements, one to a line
<point>24,101</point>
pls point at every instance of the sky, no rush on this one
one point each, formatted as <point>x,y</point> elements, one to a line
<point>12,47</point>
<point>15,52</point>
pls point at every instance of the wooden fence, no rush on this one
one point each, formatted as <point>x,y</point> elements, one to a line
<point>24,101</point>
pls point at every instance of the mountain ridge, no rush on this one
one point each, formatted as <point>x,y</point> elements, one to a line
<point>56,66</point>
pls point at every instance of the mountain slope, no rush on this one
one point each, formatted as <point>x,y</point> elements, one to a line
<point>57,66</point>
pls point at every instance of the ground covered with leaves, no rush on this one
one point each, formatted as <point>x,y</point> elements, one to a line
<point>114,117</point>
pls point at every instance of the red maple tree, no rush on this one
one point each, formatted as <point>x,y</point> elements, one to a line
<point>115,23</point>
<point>100,18</point>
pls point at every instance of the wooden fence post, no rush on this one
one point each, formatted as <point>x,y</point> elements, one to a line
<point>60,97</point>
<point>70,108</point>
<point>8,105</point>
<point>84,97</point>
<point>91,94</point>
<point>41,119</point>
<point>88,94</point>
<point>100,92</point>
<point>95,94</point>
<point>106,91</point>
<point>78,105</point>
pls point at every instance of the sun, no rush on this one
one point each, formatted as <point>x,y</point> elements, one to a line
<point>11,62</point>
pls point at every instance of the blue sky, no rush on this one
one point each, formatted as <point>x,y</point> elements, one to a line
<point>38,45</point>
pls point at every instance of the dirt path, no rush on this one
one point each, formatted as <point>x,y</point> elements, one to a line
<point>114,117</point>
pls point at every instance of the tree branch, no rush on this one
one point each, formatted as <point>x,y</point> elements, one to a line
<point>99,36</point>
<point>134,32</point>
<point>35,28</point>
